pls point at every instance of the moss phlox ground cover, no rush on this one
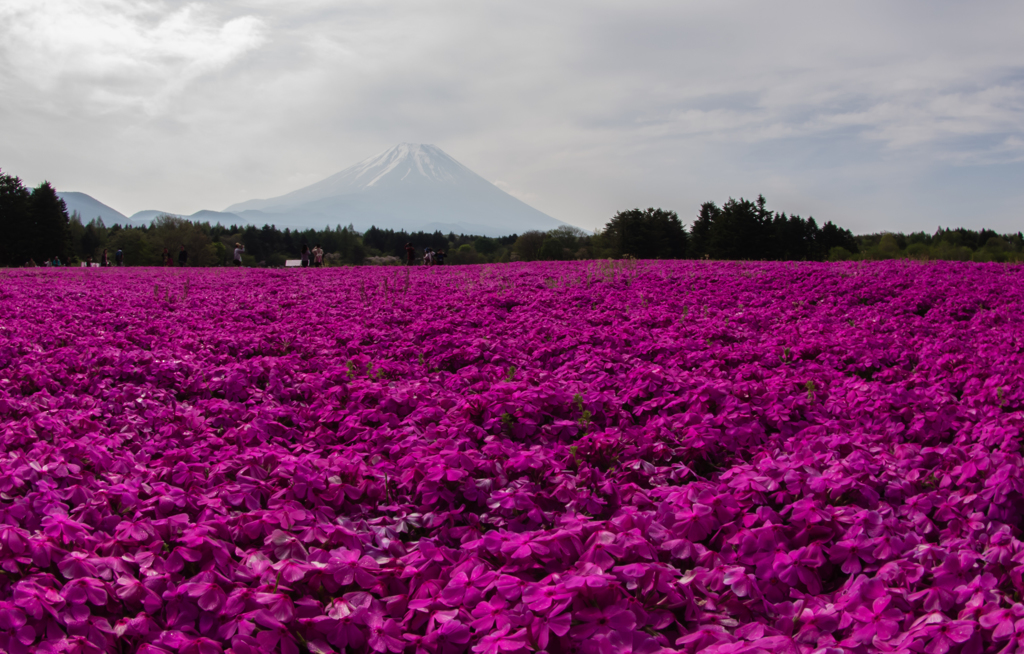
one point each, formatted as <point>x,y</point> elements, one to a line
<point>597,457</point>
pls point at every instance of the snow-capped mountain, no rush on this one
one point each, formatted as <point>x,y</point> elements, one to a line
<point>410,186</point>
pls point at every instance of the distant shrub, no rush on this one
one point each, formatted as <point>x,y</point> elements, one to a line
<point>918,251</point>
<point>839,253</point>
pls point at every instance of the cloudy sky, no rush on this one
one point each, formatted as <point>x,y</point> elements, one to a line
<point>875,115</point>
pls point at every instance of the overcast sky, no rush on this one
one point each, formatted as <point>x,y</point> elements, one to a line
<point>875,115</point>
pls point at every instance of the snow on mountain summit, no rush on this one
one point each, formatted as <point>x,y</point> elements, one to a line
<point>405,164</point>
<point>410,158</point>
<point>409,186</point>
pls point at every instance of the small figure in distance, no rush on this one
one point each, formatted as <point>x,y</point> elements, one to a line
<point>182,257</point>
<point>104,259</point>
<point>439,257</point>
<point>119,257</point>
<point>410,253</point>
<point>305,256</point>
<point>239,249</point>
<point>428,257</point>
<point>31,263</point>
<point>318,256</point>
<point>88,262</point>
<point>166,256</point>
<point>56,262</point>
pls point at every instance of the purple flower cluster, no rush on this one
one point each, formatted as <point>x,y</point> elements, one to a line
<point>594,457</point>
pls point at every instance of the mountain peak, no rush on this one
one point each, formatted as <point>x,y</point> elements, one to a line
<point>408,186</point>
<point>405,160</point>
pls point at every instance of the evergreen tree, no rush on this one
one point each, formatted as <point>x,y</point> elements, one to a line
<point>836,237</point>
<point>700,233</point>
<point>740,231</point>
<point>49,219</point>
<point>647,234</point>
<point>15,232</point>
<point>93,237</point>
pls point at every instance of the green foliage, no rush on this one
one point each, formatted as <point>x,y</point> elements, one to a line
<point>945,245</point>
<point>34,225</point>
<point>464,254</point>
<point>136,247</point>
<point>528,246</point>
<point>171,232</point>
<point>486,246</point>
<point>839,253</point>
<point>646,234</point>
<point>507,420</point>
<point>741,229</point>
<point>15,227</point>
<point>50,217</point>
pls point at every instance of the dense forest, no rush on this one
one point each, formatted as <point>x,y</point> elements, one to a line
<point>35,229</point>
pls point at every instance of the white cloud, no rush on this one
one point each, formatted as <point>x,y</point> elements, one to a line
<point>115,54</point>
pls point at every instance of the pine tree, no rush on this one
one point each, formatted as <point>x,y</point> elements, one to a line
<point>50,223</point>
<point>650,234</point>
<point>15,230</point>
<point>700,233</point>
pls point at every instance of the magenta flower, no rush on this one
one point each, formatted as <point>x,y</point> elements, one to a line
<point>943,634</point>
<point>81,590</point>
<point>348,567</point>
<point>814,624</point>
<point>209,596</point>
<point>384,634</point>
<point>542,628</point>
<point>62,528</point>
<point>467,586</point>
<point>135,592</point>
<point>501,641</point>
<point>850,553</point>
<point>799,567</point>
<point>487,614</point>
<point>603,621</point>
<point>541,598</point>
<point>602,550</point>
<point>878,622</point>
<point>344,629</point>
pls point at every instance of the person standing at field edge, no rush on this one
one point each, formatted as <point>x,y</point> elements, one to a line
<point>182,257</point>
<point>410,252</point>
<point>119,257</point>
<point>318,256</point>
<point>239,249</point>
<point>305,256</point>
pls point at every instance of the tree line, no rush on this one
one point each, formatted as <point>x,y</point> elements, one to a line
<point>35,227</point>
<point>945,244</point>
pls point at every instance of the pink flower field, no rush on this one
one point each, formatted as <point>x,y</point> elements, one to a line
<point>599,457</point>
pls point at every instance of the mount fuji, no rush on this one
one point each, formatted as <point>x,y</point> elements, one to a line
<point>410,186</point>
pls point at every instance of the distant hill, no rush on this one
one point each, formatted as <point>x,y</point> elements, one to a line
<point>89,207</point>
<point>412,187</point>
<point>146,216</point>
<point>202,216</point>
